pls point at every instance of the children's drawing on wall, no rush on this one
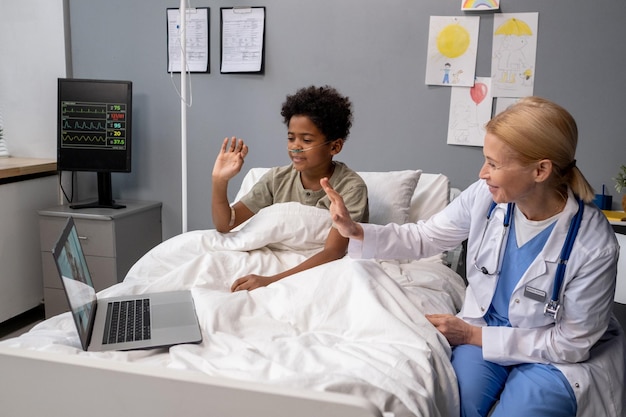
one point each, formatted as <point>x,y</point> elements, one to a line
<point>479,5</point>
<point>502,103</point>
<point>470,110</point>
<point>514,54</point>
<point>452,46</point>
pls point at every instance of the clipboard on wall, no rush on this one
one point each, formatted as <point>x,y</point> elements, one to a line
<point>242,40</point>
<point>197,40</point>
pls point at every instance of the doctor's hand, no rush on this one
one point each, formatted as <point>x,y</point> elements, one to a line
<point>340,215</point>
<point>457,331</point>
<point>230,159</point>
<point>250,282</point>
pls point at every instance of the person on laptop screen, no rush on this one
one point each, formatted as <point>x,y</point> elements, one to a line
<point>76,280</point>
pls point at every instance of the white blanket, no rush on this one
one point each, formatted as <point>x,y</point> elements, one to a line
<point>348,326</point>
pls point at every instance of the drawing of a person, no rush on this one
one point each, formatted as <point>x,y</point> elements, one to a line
<point>510,54</point>
<point>446,73</point>
<point>461,123</point>
<point>511,60</point>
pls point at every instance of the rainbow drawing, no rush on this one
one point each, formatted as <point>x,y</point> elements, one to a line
<point>480,4</point>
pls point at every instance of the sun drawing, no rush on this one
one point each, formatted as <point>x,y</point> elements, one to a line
<point>453,40</point>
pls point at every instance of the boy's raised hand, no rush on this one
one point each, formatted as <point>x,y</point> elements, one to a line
<point>230,159</point>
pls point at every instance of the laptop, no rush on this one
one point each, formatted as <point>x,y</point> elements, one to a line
<point>148,320</point>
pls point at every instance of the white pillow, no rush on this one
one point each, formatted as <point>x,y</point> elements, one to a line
<point>431,195</point>
<point>251,178</point>
<point>390,194</point>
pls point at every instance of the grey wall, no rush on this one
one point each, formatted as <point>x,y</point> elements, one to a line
<point>374,52</point>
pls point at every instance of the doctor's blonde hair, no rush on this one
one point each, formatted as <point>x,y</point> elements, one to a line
<point>537,128</point>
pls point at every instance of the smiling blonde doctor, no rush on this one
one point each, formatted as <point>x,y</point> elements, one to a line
<point>536,335</point>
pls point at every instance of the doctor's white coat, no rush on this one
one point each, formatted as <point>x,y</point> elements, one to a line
<point>586,342</point>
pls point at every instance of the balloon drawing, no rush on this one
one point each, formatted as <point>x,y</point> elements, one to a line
<point>478,92</point>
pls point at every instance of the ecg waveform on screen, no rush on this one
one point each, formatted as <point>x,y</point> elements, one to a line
<point>69,139</point>
<point>84,124</point>
<point>85,110</point>
<point>100,125</point>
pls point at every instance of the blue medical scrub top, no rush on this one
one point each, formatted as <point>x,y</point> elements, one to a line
<point>515,262</point>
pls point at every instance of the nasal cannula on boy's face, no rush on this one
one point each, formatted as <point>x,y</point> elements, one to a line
<point>307,149</point>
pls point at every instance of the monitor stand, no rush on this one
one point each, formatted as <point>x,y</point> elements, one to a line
<point>105,195</point>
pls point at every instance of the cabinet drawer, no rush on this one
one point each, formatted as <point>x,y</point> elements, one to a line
<point>102,271</point>
<point>51,277</point>
<point>55,302</point>
<point>96,237</point>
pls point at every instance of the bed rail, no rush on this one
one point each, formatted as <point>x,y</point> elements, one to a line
<point>43,383</point>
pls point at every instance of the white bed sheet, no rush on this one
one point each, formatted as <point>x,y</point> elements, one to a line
<point>349,326</point>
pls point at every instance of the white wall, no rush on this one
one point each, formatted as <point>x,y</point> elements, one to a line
<point>32,57</point>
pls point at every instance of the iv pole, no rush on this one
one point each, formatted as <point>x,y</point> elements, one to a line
<point>183,110</point>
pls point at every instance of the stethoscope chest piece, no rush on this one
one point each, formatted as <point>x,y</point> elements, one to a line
<point>552,309</point>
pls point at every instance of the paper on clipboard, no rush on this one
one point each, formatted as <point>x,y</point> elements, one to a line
<point>242,39</point>
<point>197,40</point>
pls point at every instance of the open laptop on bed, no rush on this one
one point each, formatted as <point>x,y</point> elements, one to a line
<point>148,320</point>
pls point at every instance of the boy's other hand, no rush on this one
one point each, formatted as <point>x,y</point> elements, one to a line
<point>340,214</point>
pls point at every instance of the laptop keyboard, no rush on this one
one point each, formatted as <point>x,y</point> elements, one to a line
<point>127,321</point>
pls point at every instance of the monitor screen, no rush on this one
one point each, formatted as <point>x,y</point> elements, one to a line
<point>94,129</point>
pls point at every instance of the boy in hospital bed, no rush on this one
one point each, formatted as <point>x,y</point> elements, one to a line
<point>318,121</point>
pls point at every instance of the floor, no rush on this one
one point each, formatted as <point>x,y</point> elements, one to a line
<point>24,322</point>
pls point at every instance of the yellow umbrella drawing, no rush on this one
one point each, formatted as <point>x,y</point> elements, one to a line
<point>514,27</point>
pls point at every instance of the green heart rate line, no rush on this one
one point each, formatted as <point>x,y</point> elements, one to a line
<point>84,124</point>
<point>84,110</point>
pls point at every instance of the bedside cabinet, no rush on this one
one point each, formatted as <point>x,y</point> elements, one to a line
<point>112,240</point>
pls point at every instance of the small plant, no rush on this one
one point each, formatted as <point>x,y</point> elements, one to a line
<point>620,180</point>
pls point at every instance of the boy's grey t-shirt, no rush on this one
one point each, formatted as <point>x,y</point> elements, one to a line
<point>282,185</point>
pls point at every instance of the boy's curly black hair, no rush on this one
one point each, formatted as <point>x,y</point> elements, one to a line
<point>328,110</point>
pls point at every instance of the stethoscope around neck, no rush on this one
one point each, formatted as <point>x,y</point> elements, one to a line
<point>552,307</point>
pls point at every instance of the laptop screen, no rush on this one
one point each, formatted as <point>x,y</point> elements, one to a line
<point>72,266</point>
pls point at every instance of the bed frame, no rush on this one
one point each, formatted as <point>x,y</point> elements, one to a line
<point>42,383</point>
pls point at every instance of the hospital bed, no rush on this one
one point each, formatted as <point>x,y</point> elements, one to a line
<point>348,338</point>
